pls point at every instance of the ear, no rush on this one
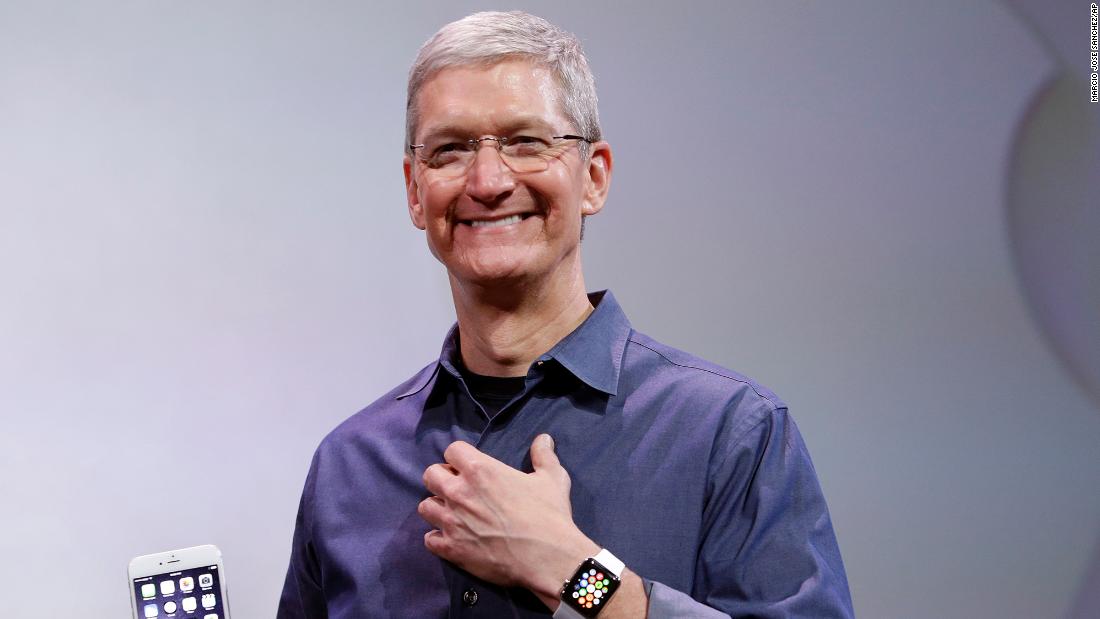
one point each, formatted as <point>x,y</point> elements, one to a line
<point>412,194</point>
<point>599,178</point>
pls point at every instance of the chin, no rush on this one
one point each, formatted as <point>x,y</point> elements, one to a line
<point>492,266</point>
<point>494,277</point>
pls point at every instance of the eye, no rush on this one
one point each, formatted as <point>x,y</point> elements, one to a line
<point>448,153</point>
<point>450,147</point>
<point>525,145</point>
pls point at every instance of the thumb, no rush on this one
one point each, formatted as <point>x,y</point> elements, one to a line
<point>542,453</point>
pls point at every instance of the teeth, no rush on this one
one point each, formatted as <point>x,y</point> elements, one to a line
<point>499,222</point>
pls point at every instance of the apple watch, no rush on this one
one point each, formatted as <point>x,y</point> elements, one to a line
<point>591,587</point>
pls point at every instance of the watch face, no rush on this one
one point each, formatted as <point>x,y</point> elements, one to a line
<point>590,588</point>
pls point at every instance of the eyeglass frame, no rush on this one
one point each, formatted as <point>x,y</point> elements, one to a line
<point>501,142</point>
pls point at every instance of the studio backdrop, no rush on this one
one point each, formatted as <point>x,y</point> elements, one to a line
<point>886,212</point>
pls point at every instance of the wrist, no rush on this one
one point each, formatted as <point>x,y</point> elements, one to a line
<point>547,578</point>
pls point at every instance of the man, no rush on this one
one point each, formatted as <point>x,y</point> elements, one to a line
<point>550,443</point>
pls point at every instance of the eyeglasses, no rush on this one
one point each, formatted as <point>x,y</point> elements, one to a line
<point>523,154</point>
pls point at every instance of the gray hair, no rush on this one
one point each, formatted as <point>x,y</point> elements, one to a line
<point>485,39</point>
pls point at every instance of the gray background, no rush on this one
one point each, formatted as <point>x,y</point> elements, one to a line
<point>880,210</point>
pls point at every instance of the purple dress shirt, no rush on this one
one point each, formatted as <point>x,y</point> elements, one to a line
<point>694,476</point>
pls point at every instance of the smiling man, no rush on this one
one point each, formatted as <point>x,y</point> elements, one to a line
<point>553,460</point>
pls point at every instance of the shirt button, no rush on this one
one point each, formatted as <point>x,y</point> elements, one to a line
<point>469,598</point>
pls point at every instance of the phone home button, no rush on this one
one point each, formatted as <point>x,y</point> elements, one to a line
<point>469,598</point>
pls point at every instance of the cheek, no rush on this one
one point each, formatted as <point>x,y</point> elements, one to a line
<point>436,200</point>
<point>562,193</point>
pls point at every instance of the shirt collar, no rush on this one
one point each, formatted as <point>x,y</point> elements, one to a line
<point>593,352</point>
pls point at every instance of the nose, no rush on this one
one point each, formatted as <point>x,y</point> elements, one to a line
<point>489,180</point>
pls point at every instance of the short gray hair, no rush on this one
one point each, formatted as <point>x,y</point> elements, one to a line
<point>485,39</point>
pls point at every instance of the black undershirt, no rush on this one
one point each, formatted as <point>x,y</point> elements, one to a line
<point>493,392</point>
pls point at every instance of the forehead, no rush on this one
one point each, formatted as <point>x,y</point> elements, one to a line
<point>489,99</point>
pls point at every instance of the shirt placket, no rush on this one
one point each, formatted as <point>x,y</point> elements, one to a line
<point>472,597</point>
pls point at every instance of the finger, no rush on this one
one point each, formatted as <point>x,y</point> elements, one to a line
<point>433,510</point>
<point>542,453</point>
<point>437,478</point>
<point>473,465</point>
<point>435,543</point>
<point>461,454</point>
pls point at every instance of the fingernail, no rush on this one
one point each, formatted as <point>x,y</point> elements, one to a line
<point>547,440</point>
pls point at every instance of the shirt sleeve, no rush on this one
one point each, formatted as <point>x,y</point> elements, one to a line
<point>303,595</point>
<point>768,548</point>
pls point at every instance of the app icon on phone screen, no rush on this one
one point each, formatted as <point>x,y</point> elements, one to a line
<point>169,607</point>
<point>151,610</point>
<point>187,583</point>
<point>189,604</point>
<point>208,601</point>
<point>206,581</point>
<point>148,590</point>
<point>167,587</point>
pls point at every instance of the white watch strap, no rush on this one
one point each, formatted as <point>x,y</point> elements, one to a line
<point>566,611</point>
<point>610,561</point>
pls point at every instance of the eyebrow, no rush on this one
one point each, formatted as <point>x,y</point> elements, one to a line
<point>506,128</point>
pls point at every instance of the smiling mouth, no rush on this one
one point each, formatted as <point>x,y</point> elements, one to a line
<point>494,223</point>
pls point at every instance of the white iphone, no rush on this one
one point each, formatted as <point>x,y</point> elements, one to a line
<point>186,584</point>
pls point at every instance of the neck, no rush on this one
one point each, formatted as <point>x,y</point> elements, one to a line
<point>503,329</point>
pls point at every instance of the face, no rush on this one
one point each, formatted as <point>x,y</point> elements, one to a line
<point>492,225</point>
